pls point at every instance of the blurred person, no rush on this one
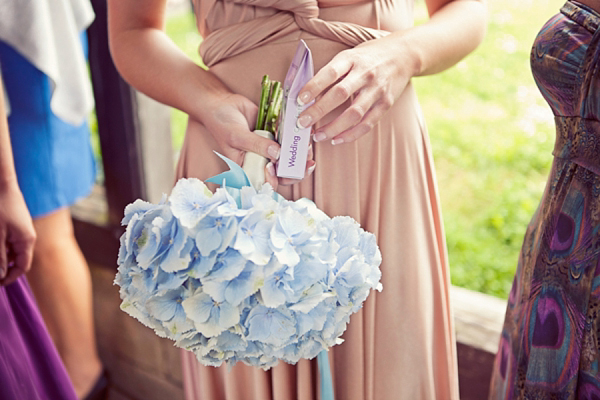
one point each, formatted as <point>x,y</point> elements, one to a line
<point>30,367</point>
<point>42,59</point>
<point>550,342</point>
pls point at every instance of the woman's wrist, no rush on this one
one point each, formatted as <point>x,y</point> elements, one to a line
<point>205,92</point>
<point>8,182</point>
<point>411,56</point>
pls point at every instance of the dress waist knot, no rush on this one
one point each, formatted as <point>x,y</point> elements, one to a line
<point>271,20</point>
<point>578,140</point>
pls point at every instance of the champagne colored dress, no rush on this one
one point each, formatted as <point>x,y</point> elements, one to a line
<point>401,344</point>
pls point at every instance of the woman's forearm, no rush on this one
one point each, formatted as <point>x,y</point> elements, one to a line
<point>148,59</point>
<point>452,32</point>
<point>8,175</point>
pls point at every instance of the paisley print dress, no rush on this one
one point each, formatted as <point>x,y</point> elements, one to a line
<point>550,343</point>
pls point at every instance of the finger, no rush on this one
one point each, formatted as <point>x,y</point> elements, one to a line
<point>348,119</point>
<point>325,77</point>
<point>364,127</point>
<point>3,255</point>
<point>311,154</point>
<point>337,95</point>
<point>270,175</point>
<point>267,148</point>
<point>13,274</point>
<point>364,100</point>
<point>310,168</point>
<point>24,254</point>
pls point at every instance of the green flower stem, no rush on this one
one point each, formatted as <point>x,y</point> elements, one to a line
<point>274,107</point>
<point>264,101</point>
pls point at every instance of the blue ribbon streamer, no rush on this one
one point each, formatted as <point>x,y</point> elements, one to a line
<point>236,178</point>
<point>325,376</point>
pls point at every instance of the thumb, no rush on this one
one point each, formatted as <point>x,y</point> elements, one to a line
<point>3,255</point>
<point>254,143</point>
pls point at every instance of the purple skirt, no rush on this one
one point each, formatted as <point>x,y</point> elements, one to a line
<point>30,367</point>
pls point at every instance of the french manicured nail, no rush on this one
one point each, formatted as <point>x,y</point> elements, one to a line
<point>319,136</point>
<point>273,152</point>
<point>271,169</point>
<point>311,169</point>
<point>337,141</point>
<point>304,121</point>
<point>303,98</point>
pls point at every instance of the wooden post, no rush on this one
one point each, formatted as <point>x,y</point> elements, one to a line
<point>137,152</point>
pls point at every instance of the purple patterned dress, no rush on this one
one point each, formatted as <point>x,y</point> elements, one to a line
<point>550,344</point>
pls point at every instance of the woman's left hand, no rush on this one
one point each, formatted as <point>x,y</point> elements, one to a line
<point>369,75</point>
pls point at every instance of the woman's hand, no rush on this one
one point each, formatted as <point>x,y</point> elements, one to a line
<point>229,118</point>
<point>369,75</point>
<point>374,74</point>
<point>17,235</point>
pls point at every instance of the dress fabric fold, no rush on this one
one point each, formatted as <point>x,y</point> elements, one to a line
<point>401,344</point>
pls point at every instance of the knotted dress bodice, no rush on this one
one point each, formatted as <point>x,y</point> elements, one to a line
<point>230,27</point>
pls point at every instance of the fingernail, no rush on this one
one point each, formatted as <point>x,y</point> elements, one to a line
<point>311,169</point>
<point>303,98</point>
<point>320,136</point>
<point>273,152</point>
<point>304,121</point>
<point>337,141</point>
<point>271,169</point>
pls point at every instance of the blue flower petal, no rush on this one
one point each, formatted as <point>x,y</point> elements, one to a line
<point>163,307</point>
<point>208,240</point>
<point>270,325</point>
<point>137,207</point>
<point>198,307</point>
<point>227,266</point>
<point>190,201</point>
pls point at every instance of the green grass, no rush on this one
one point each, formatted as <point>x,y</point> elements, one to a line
<point>492,136</point>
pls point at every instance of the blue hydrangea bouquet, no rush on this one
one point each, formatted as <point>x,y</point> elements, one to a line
<point>243,274</point>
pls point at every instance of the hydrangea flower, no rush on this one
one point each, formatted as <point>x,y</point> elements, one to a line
<point>244,275</point>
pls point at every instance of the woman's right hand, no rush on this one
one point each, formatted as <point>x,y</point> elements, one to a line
<point>17,235</point>
<point>229,118</point>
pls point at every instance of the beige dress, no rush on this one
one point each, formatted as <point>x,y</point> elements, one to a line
<point>401,344</point>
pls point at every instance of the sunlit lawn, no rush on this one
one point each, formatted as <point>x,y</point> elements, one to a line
<point>491,134</point>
